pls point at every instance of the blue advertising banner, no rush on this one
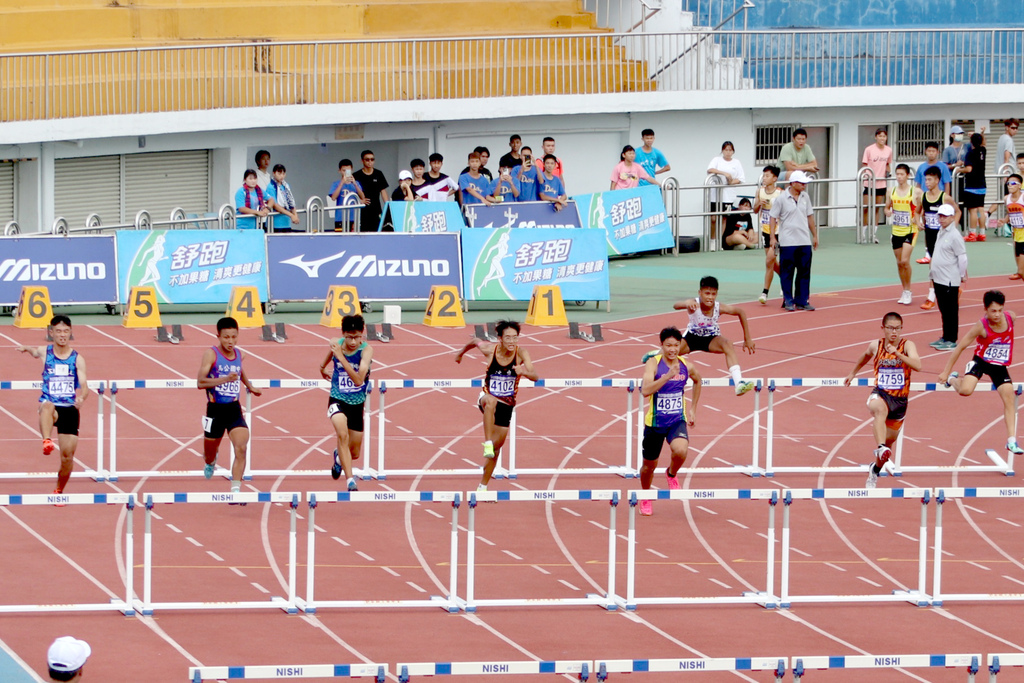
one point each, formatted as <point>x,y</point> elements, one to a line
<point>380,266</point>
<point>502,264</point>
<point>521,215</point>
<point>191,266</point>
<point>635,219</point>
<point>422,217</point>
<point>75,270</point>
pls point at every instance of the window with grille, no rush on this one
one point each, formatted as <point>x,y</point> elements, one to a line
<point>769,141</point>
<point>911,137</point>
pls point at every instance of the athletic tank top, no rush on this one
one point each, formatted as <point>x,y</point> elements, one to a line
<point>666,406</point>
<point>892,375</point>
<point>703,325</point>
<point>60,378</point>
<point>1015,213</point>
<point>222,367</point>
<point>501,381</point>
<point>902,210</point>
<point>765,213</point>
<point>930,210</point>
<point>342,387</point>
<point>996,347</point>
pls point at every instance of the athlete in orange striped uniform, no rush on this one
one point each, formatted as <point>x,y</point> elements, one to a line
<point>894,358</point>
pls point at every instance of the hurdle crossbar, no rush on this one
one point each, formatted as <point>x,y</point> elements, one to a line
<point>677,666</point>
<point>941,496</point>
<point>198,674</point>
<point>997,661</point>
<point>450,602</point>
<point>60,499</point>
<point>406,670</point>
<point>999,464</point>
<point>917,597</point>
<point>609,600</point>
<point>969,661</point>
<point>766,598</point>
<point>147,606</point>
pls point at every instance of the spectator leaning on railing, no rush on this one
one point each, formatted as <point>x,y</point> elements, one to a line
<point>474,186</point>
<point>730,170</point>
<point>797,155</point>
<point>280,199</point>
<point>249,202</point>
<point>526,175</point>
<point>342,192</point>
<point>549,148</point>
<point>877,157</point>
<point>653,161</point>
<point>505,187</point>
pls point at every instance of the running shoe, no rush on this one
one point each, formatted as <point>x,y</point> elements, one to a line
<point>872,478</point>
<point>763,299</point>
<point>488,450</point>
<point>48,446</point>
<point>60,504</point>
<point>925,260</point>
<point>981,236</point>
<point>971,237</point>
<point>1011,445</point>
<point>236,488</point>
<point>952,376</point>
<point>882,455</point>
<point>352,484</point>
<point>208,470</point>
<point>946,345</point>
<point>744,386</point>
<point>790,307</point>
<point>336,467</point>
<point>928,305</point>
<point>481,487</point>
<point>649,355</point>
<point>673,482</point>
<point>806,307</point>
<point>906,298</point>
<point>646,508</point>
<point>1015,276</point>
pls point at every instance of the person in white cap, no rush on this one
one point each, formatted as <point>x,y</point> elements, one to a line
<point>404,192</point>
<point>948,270</point>
<point>66,658</point>
<point>794,238</point>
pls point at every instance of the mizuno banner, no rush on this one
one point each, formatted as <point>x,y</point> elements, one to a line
<point>634,219</point>
<point>75,270</point>
<point>380,266</point>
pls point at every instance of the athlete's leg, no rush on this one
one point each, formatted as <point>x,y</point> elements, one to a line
<point>891,434</point>
<point>210,448</point>
<point>1020,266</point>
<point>769,267</point>
<point>1006,392</point>
<point>498,435</point>
<point>679,447</point>
<point>47,417</point>
<point>239,440</point>
<point>489,404</point>
<point>721,344</point>
<point>879,410</point>
<point>340,423</point>
<point>68,444</point>
<point>964,385</point>
<point>903,264</point>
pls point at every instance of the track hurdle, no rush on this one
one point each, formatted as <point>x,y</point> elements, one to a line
<point>941,496</point>
<point>754,469</point>
<point>198,674</point>
<point>887,662</point>
<point>511,469</point>
<point>147,606</point>
<point>997,662</point>
<point>450,602</point>
<point>406,670</point>
<point>999,464</point>
<point>765,598</point>
<point>917,597</point>
<point>777,665</point>
<point>99,473</point>
<point>50,499</point>
<point>609,600</point>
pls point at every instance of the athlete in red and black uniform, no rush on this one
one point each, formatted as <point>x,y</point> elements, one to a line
<point>992,357</point>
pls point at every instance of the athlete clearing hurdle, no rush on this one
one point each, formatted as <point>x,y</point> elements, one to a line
<point>666,418</point>
<point>65,389</point>
<point>351,357</point>
<point>507,362</point>
<point>992,357</point>
<point>222,376</point>
<point>894,358</point>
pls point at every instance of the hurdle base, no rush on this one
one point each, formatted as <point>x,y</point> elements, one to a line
<point>766,600</point>
<point>450,605</point>
<point>610,603</point>
<point>285,606</point>
<point>915,598</point>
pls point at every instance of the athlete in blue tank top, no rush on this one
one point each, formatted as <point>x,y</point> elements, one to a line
<point>65,389</point>
<point>222,377</point>
<point>350,358</point>
<point>665,377</point>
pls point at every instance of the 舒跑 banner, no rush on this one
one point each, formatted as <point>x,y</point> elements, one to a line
<point>380,266</point>
<point>191,266</point>
<point>75,270</point>
<point>504,264</point>
<point>634,219</point>
<point>422,217</point>
<point>521,215</point>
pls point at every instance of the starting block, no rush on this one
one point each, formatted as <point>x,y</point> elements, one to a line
<point>490,334</point>
<point>593,336</point>
<point>173,337</point>
<point>276,333</point>
<point>383,335</point>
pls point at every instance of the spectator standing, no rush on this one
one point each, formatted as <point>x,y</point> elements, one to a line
<point>739,229</point>
<point>404,193</point>
<point>551,188</point>
<point>263,169</point>
<point>473,185</point>
<point>375,187</point>
<point>346,192</point>
<point>526,175</point>
<point>505,187</point>
<point>1006,152</point>
<point>66,658</point>
<point>249,203</point>
<point>653,161</point>
<point>280,199</point>
<point>877,157</point>
<point>955,154</point>
<point>513,157</point>
<point>796,236</point>
<point>485,156</point>
<point>975,188</point>
<point>627,173</point>
<point>948,270</point>
<point>437,186</point>
<point>418,181</point>
<point>731,172</point>
<point>931,154</point>
<point>549,148</point>
<point>797,155</point>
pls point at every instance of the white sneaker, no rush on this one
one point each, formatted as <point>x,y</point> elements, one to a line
<point>906,298</point>
<point>763,299</point>
<point>872,477</point>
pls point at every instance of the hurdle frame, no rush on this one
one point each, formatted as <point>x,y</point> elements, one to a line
<point>407,670</point>
<point>996,662</point>
<point>146,605</point>
<point>126,606</point>
<point>802,664</point>
<point>198,674</point>
<point>608,601</point>
<point>692,665</point>
<point>451,603</point>
<point>765,598</point>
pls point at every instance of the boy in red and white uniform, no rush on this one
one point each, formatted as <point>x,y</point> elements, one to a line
<point>992,356</point>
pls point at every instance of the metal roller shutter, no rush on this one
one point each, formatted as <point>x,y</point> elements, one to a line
<point>87,185</point>
<point>161,181</point>
<point>6,192</point>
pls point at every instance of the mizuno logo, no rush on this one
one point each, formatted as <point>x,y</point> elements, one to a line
<point>23,270</point>
<point>312,268</point>
<point>369,265</point>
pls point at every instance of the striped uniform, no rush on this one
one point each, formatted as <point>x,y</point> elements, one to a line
<point>892,382</point>
<point>665,417</point>
<point>765,214</point>
<point>1015,216</point>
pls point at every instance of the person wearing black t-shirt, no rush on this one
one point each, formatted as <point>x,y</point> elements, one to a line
<point>513,158</point>
<point>974,189</point>
<point>374,186</point>
<point>739,229</point>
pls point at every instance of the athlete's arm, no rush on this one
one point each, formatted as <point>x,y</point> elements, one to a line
<point>976,331</point>
<point>83,384</point>
<point>206,382</point>
<point>910,358</point>
<point>729,309</point>
<point>888,205</point>
<point>484,347</point>
<point>245,379</point>
<point>649,385</point>
<point>686,304</point>
<point>323,366</point>
<point>862,361</point>
<point>696,387</point>
<point>358,375</point>
<point>34,351</point>
<point>526,367</point>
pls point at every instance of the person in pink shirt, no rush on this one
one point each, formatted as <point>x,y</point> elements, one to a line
<point>877,157</point>
<point>627,173</point>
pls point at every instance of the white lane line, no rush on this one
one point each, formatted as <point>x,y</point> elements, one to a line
<point>214,555</point>
<point>317,527</point>
<point>906,536</point>
<point>689,568</point>
<point>707,510</point>
<point>940,450</point>
<point>425,439</point>
<point>237,571</point>
<point>820,450</point>
<point>540,569</point>
<point>872,522</point>
<point>742,526</point>
<point>302,441</point>
<point>484,540</point>
<point>723,584</point>
<point>194,542</point>
<point>825,407</point>
<point>855,419</point>
<point>407,431</point>
<point>799,552</point>
<point>870,582</point>
<point>340,541</point>
<point>366,557</point>
<point>654,552</point>
<point>434,513</point>
<point>1001,519</point>
<point>979,566</point>
<point>847,460</point>
<point>974,509</point>
<point>835,566</point>
<point>262,419</point>
<point>281,429</point>
<point>836,507</point>
<point>391,571</point>
<point>568,585</point>
<point>598,408</point>
<point>597,462</point>
<point>512,555</point>
<point>174,528</point>
<point>598,525</point>
<point>260,588</point>
<point>1010,578</point>
<point>572,512</point>
<point>415,587</point>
